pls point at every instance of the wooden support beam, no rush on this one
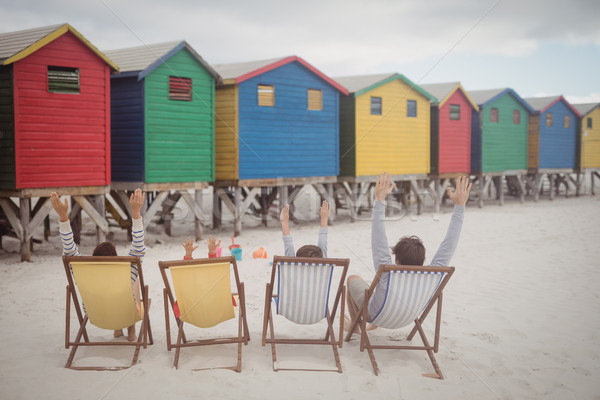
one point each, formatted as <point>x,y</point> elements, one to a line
<point>153,209</point>
<point>98,219</point>
<point>39,215</point>
<point>198,227</point>
<point>237,216</point>
<point>11,210</point>
<point>24,205</point>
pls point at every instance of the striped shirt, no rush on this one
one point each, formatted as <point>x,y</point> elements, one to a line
<point>137,249</point>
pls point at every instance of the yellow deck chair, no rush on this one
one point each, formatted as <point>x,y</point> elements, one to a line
<point>201,295</point>
<point>104,286</point>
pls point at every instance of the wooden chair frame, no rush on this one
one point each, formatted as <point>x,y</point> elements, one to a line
<point>436,299</point>
<point>329,338</point>
<point>145,335</point>
<point>243,334</point>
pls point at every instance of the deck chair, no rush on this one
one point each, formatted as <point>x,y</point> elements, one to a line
<point>303,288</point>
<point>201,295</point>
<point>103,284</point>
<point>412,293</point>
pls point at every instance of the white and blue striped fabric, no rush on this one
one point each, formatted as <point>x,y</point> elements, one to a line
<point>303,291</point>
<point>408,294</point>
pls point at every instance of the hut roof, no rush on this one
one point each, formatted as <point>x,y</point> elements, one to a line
<point>585,108</point>
<point>484,97</point>
<point>15,46</point>
<point>142,60</point>
<point>359,84</point>
<point>443,91</point>
<point>239,72</point>
<point>541,104</point>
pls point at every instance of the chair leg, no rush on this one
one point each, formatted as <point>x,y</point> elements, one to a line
<point>266,313</point>
<point>179,340</point>
<point>334,344</point>
<point>167,323</point>
<point>80,333</point>
<point>343,311</point>
<point>272,331</point>
<point>243,309</point>
<point>429,349</point>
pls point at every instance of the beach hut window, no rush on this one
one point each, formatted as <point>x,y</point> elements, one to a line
<point>567,121</point>
<point>494,115</point>
<point>315,99</point>
<point>516,117</point>
<point>411,108</point>
<point>375,105</point>
<point>549,119</point>
<point>455,112</point>
<point>266,96</point>
<point>63,80</point>
<point>180,88</point>
<point>589,123</point>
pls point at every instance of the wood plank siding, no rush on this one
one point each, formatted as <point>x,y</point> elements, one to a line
<point>226,133</point>
<point>179,144</point>
<point>62,140</point>
<point>557,142</point>
<point>455,136</point>
<point>127,132</point>
<point>533,142</point>
<point>288,139</point>
<point>392,142</point>
<point>504,143</point>
<point>347,136</point>
<point>590,140</point>
<point>7,129</point>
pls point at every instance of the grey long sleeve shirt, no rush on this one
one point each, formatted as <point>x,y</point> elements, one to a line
<point>381,249</point>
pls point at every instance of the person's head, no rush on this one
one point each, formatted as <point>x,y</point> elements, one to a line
<point>409,251</point>
<point>105,249</point>
<point>310,250</point>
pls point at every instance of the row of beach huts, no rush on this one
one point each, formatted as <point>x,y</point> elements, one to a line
<point>94,125</point>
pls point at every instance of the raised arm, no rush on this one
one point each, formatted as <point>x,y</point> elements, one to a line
<point>64,225</point>
<point>324,213</point>
<point>136,201</point>
<point>288,242</point>
<point>460,196</point>
<point>379,242</point>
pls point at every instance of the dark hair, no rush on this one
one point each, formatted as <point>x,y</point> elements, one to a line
<point>105,249</point>
<point>409,251</point>
<point>310,250</point>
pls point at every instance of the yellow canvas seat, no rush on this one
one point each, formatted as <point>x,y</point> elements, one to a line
<point>199,293</point>
<point>103,284</point>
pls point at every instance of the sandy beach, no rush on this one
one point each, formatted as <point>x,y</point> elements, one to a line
<point>521,316</point>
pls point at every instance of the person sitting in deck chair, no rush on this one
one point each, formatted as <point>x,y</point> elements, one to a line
<point>408,251</point>
<point>137,249</point>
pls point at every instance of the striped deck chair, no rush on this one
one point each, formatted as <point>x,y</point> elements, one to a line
<point>303,290</point>
<point>201,296</point>
<point>107,301</point>
<point>412,293</point>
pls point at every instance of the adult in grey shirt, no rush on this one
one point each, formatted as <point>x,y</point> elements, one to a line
<point>408,251</point>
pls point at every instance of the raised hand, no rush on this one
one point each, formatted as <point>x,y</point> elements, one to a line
<point>62,209</point>
<point>461,194</point>
<point>136,201</point>
<point>383,186</point>
<point>325,212</point>
<point>212,245</point>
<point>284,217</point>
<point>189,247</point>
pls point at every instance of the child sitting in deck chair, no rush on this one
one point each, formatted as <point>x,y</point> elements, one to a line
<point>137,249</point>
<point>309,250</point>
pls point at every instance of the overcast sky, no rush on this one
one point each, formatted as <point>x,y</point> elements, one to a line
<point>536,47</point>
